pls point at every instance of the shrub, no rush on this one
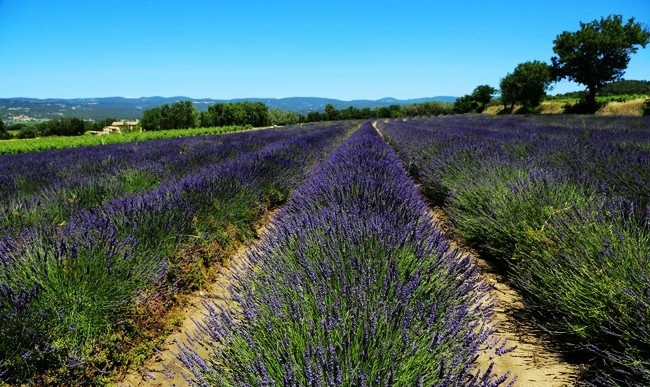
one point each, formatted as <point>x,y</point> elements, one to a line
<point>28,132</point>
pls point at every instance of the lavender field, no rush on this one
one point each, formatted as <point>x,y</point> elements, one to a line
<point>562,205</point>
<point>353,283</point>
<point>92,236</point>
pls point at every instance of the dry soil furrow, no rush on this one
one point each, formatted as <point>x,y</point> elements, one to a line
<point>532,362</point>
<point>164,369</point>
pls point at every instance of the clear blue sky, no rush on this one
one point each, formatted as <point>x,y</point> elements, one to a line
<point>343,49</point>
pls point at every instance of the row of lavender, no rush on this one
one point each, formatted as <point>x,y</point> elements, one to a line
<point>67,291</point>
<point>46,187</point>
<point>351,286</point>
<point>563,206</point>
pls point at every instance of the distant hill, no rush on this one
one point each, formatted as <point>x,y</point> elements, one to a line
<point>26,109</point>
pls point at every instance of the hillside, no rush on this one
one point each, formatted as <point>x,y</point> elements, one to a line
<point>32,109</point>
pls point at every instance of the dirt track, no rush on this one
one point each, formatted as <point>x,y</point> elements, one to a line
<point>164,369</point>
<point>532,362</point>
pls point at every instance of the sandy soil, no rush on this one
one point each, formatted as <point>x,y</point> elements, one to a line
<point>532,362</point>
<point>164,369</point>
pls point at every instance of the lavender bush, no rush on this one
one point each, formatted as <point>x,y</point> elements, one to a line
<point>63,286</point>
<point>563,204</point>
<point>352,286</point>
<point>47,187</point>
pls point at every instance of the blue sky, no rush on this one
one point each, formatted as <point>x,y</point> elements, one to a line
<point>231,49</point>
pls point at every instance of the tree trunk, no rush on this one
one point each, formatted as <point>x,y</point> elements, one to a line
<point>591,97</point>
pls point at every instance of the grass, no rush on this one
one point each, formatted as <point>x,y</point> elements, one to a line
<point>625,105</point>
<point>60,142</point>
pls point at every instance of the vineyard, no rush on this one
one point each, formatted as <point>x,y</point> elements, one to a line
<point>353,282</point>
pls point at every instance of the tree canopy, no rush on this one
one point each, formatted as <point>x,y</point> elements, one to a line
<point>598,53</point>
<point>475,102</point>
<point>180,115</point>
<point>3,131</point>
<point>526,85</point>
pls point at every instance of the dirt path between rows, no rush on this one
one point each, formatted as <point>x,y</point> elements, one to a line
<point>532,362</point>
<point>164,369</point>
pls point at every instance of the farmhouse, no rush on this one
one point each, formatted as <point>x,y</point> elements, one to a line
<point>117,127</point>
<point>124,125</point>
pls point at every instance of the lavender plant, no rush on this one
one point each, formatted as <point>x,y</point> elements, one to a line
<point>48,187</point>
<point>352,286</point>
<point>563,204</point>
<point>64,286</point>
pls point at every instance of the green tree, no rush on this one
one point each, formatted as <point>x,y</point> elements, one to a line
<point>465,104</point>
<point>151,119</point>
<point>3,131</point>
<point>598,53</point>
<point>281,117</point>
<point>29,131</point>
<point>183,115</point>
<point>526,85</point>
<point>508,86</point>
<point>475,102</point>
<point>483,95</point>
<point>331,113</point>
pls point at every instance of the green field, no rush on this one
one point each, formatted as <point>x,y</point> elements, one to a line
<point>62,142</point>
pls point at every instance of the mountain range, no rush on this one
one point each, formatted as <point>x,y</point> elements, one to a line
<point>33,109</point>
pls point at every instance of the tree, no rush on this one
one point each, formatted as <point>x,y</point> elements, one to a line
<point>465,104</point>
<point>475,102</point>
<point>483,95</point>
<point>508,86</point>
<point>598,53</point>
<point>151,119</point>
<point>331,113</point>
<point>183,115</point>
<point>527,85</point>
<point>3,131</point>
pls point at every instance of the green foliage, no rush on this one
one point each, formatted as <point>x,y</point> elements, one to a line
<point>585,270</point>
<point>62,126</point>
<point>475,102</point>
<point>4,134</point>
<point>81,291</point>
<point>433,108</point>
<point>279,117</point>
<point>527,85</point>
<point>501,208</point>
<point>151,119</point>
<point>598,53</point>
<point>241,113</point>
<point>134,181</point>
<point>331,113</point>
<point>465,104</point>
<point>646,107</point>
<point>32,144</point>
<point>28,131</point>
<point>483,95</point>
<point>180,115</point>
<point>625,87</point>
